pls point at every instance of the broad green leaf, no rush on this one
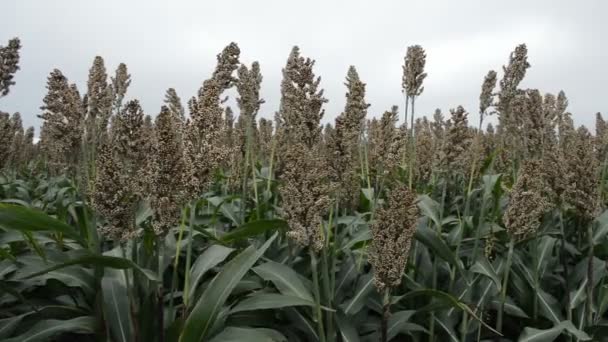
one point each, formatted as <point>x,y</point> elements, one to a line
<point>205,313</point>
<point>510,308</point>
<point>212,256</point>
<point>601,228</point>
<point>285,279</point>
<point>234,334</point>
<point>97,260</point>
<point>264,301</point>
<point>435,243</point>
<point>545,249</point>
<point>348,330</point>
<point>549,306</point>
<point>547,335</point>
<point>47,329</point>
<point>116,303</point>
<point>449,300</point>
<point>483,266</point>
<point>254,228</point>
<point>399,323</point>
<point>31,220</point>
<point>430,209</point>
<point>364,287</point>
<point>8,325</point>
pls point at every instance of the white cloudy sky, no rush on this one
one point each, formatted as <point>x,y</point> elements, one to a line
<point>174,43</point>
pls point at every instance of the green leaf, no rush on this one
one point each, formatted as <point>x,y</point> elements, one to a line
<point>116,304</point>
<point>547,335</point>
<point>97,260</point>
<point>435,242</point>
<point>205,312</point>
<point>234,334</point>
<point>448,299</point>
<point>348,330</point>
<point>253,228</point>
<point>483,266</point>
<point>549,306</point>
<point>285,279</point>
<point>430,209</point>
<point>47,329</point>
<point>399,323</point>
<point>601,228</point>
<point>8,325</point>
<point>212,256</point>
<point>31,220</point>
<point>364,287</point>
<point>265,301</point>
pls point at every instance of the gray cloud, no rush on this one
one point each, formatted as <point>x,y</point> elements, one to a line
<point>173,44</point>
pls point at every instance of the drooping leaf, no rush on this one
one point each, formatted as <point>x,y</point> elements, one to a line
<point>47,329</point>
<point>212,256</point>
<point>254,228</point>
<point>265,301</point>
<point>364,287</point>
<point>235,334</point>
<point>31,220</point>
<point>547,335</point>
<point>285,279</point>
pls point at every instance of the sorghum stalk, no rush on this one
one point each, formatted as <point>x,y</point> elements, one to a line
<point>503,290</point>
<point>317,295</point>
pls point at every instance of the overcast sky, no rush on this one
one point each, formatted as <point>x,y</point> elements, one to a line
<point>174,44</point>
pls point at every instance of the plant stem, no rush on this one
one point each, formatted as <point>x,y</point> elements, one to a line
<point>564,261</point>
<point>187,289</point>
<point>590,255</point>
<point>503,290</point>
<point>160,304</point>
<point>386,313</point>
<point>316,292</point>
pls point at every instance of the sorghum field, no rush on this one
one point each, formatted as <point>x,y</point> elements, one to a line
<point>203,223</point>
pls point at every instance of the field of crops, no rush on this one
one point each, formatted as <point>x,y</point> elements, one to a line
<point>207,223</point>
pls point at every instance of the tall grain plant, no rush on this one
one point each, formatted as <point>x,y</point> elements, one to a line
<point>9,64</point>
<point>344,156</point>
<point>411,84</point>
<point>63,125</point>
<point>392,234</point>
<point>303,172</point>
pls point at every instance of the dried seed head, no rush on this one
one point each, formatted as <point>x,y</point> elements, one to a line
<point>6,137</point>
<point>113,197</point>
<point>413,71</point>
<point>169,169</point>
<point>425,149</point>
<point>248,87</point>
<point>392,233</point>
<point>583,175</point>
<point>458,141</point>
<point>63,123</point>
<point>16,147</point>
<point>265,136</point>
<point>514,73</point>
<point>301,101</point>
<point>99,102</point>
<point>486,96</point>
<point>304,192</point>
<point>130,144</point>
<point>205,134</point>
<point>174,103</point>
<point>120,84</point>
<point>344,147</point>
<point>527,205</point>
<point>9,64</point>
<point>386,143</point>
<point>601,137</point>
